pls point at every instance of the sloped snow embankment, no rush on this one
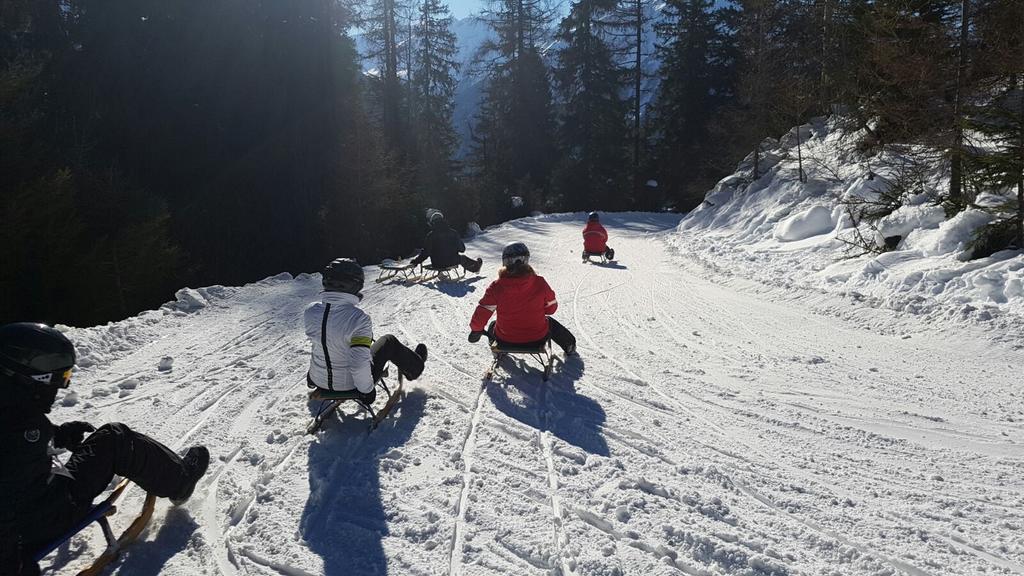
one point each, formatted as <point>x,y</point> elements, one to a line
<point>783,232</point>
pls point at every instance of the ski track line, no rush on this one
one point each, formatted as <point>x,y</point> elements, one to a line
<point>544,438</point>
<point>795,473</point>
<point>239,425</point>
<point>278,567</point>
<point>455,554</point>
<point>211,529</point>
<point>863,549</point>
<point>898,564</point>
<point>634,377</point>
<point>349,449</point>
<point>648,382</point>
<point>972,550</point>
<point>664,554</point>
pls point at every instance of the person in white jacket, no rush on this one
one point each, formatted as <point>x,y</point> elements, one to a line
<point>345,355</point>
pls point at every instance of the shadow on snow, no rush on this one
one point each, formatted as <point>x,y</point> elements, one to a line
<point>554,406</point>
<point>344,521</point>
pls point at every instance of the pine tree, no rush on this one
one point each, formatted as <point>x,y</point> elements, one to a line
<point>697,67</point>
<point>381,22</point>
<point>434,82</point>
<point>513,149</point>
<point>593,117</point>
<point>999,167</point>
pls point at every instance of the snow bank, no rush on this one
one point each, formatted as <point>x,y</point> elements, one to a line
<point>782,231</point>
<point>100,345</point>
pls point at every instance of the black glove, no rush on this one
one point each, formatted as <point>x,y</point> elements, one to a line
<point>70,434</point>
<point>475,335</point>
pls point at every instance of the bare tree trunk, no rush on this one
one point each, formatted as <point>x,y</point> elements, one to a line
<point>956,184</point>
<point>410,92</point>
<point>638,75</point>
<point>391,85</point>
<point>1020,176</point>
<point>800,155</point>
<point>824,95</point>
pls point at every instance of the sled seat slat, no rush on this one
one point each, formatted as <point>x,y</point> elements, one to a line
<point>321,394</point>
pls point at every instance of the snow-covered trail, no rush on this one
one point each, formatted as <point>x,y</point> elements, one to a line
<point>707,428</point>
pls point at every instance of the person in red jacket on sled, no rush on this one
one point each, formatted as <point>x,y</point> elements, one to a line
<point>595,239</point>
<point>524,302</point>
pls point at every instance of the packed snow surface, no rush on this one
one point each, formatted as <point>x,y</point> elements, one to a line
<point>712,425</point>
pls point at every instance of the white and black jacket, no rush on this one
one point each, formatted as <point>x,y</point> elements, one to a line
<point>345,332</point>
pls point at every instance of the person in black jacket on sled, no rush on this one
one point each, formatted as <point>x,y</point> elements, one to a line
<point>444,247</point>
<point>40,498</point>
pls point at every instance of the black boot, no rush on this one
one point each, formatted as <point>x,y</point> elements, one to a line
<point>368,397</point>
<point>421,351</point>
<point>196,461</point>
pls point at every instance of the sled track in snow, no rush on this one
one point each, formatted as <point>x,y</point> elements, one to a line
<point>544,439</point>
<point>462,504</point>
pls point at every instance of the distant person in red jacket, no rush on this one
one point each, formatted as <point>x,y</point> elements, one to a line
<point>595,238</point>
<point>524,302</point>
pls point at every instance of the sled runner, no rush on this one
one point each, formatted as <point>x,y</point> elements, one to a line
<point>449,274</point>
<point>99,514</point>
<point>540,351</point>
<point>330,400</point>
<point>394,269</point>
<point>602,255</point>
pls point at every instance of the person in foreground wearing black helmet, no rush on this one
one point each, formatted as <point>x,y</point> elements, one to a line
<point>444,247</point>
<point>42,498</point>
<point>524,303</point>
<point>344,353</point>
<point>595,237</point>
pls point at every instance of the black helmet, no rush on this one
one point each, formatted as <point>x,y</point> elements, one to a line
<point>514,253</point>
<point>343,275</point>
<point>38,358</point>
<point>593,217</point>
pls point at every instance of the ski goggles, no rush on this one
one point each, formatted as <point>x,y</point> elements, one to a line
<point>60,379</point>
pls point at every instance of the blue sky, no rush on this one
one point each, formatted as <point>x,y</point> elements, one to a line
<point>463,8</point>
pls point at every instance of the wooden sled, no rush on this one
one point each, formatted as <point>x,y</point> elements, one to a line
<point>542,352</point>
<point>330,400</point>
<point>602,256</point>
<point>448,274</point>
<point>396,269</point>
<point>100,514</point>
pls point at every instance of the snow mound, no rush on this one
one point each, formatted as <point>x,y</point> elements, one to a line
<point>782,231</point>
<point>811,222</point>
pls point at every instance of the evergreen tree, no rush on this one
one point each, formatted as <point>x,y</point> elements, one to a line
<point>380,21</point>
<point>434,82</point>
<point>594,172</point>
<point>513,150</point>
<point>697,67</point>
<point>999,167</point>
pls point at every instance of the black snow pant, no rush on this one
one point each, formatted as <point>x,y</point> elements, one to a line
<point>469,264</point>
<point>561,335</point>
<point>556,331</point>
<point>113,449</point>
<point>388,348</point>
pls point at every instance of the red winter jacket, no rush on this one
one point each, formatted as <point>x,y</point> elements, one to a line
<point>595,238</point>
<point>522,303</point>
